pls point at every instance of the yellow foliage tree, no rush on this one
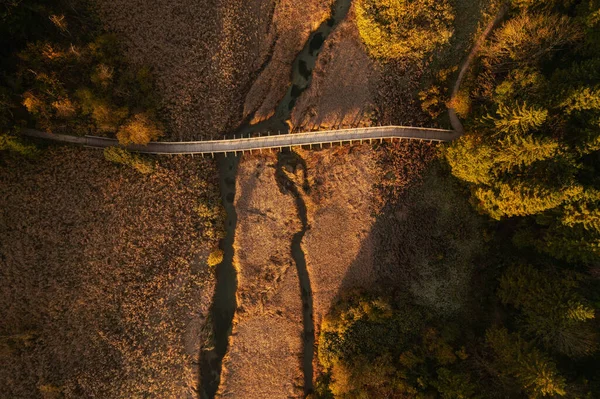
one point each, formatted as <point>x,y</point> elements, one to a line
<point>215,258</point>
<point>404,28</point>
<point>139,129</point>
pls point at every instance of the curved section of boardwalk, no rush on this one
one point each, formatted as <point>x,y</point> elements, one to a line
<point>262,142</point>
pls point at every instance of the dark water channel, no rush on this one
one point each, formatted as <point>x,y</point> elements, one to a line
<point>292,162</point>
<point>302,70</point>
<point>224,301</point>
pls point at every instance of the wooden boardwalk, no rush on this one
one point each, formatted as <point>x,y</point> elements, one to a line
<point>259,143</point>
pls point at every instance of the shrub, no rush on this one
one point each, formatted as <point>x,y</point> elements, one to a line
<point>461,104</point>
<point>105,116</point>
<point>139,129</point>
<point>402,28</point>
<point>124,157</point>
<point>215,257</point>
<point>64,108</point>
<point>15,145</point>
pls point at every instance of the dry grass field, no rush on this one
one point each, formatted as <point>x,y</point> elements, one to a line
<point>344,85</point>
<point>341,215</point>
<point>350,88</point>
<point>203,53</point>
<point>207,56</point>
<point>264,355</point>
<point>104,284</point>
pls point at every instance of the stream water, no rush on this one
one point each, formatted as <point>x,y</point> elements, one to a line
<point>293,161</point>
<point>302,71</point>
<point>224,301</point>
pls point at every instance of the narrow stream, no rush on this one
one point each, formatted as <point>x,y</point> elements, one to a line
<point>224,302</point>
<point>302,70</point>
<point>291,160</point>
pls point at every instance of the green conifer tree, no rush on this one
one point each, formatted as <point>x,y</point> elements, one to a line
<point>536,374</point>
<point>518,119</point>
<point>553,312</point>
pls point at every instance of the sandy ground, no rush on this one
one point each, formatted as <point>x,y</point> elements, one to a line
<point>104,285</point>
<point>208,55</point>
<point>265,348</point>
<point>344,84</point>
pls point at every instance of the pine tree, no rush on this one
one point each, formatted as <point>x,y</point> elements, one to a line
<point>522,197</point>
<point>471,159</point>
<point>523,151</point>
<point>518,119</point>
<point>536,374</point>
<point>573,244</point>
<point>552,310</point>
<point>582,99</point>
<point>585,214</point>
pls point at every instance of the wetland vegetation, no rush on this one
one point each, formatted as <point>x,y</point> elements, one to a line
<point>396,270</point>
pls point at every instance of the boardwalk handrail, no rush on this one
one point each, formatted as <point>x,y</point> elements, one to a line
<point>261,142</point>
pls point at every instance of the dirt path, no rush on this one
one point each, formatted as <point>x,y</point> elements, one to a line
<point>454,120</point>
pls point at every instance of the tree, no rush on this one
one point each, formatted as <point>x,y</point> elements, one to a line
<point>522,151</point>
<point>518,119</point>
<point>404,28</point>
<point>535,373</point>
<point>140,129</point>
<point>529,37</point>
<point>582,99</point>
<point>471,159</point>
<point>522,197</point>
<point>573,244</point>
<point>553,312</point>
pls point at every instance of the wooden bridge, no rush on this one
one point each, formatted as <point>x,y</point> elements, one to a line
<point>259,143</point>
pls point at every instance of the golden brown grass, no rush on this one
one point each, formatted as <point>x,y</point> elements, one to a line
<point>338,246</point>
<point>206,56</point>
<point>344,85</point>
<point>203,54</point>
<point>293,21</point>
<point>104,287</point>
<point>263,361</point>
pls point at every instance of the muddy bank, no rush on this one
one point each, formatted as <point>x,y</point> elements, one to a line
<point>264,357</point>
<point>294,23</point>
<point>301,74</point>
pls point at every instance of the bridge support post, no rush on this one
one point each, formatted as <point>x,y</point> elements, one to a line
<point>213,154</point>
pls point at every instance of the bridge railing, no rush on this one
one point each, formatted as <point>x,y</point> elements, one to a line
<point>243,144</point>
